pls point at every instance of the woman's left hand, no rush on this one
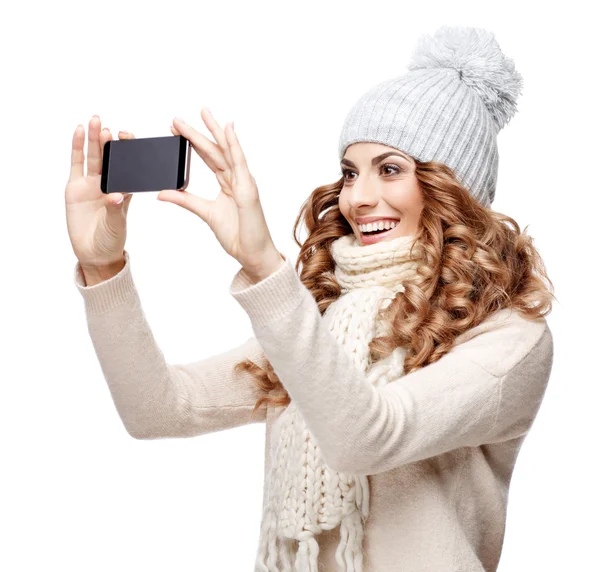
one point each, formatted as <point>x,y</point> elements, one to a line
<point>236,216</point>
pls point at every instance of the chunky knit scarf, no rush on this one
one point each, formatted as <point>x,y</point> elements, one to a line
<point>304,495</point>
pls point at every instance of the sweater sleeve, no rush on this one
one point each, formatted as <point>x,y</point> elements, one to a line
<point>155,399</point>
<point>485,389</point>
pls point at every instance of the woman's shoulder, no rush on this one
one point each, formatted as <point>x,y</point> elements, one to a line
<point>504,339</point>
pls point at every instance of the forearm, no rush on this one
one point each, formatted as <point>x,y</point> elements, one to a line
<point>156,399</point>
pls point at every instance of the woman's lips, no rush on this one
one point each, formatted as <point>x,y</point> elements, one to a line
<point>372,238</point>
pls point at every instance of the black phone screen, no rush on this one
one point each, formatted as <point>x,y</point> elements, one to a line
<point>145,164</point>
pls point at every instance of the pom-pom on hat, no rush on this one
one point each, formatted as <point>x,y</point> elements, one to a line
<point>459,92</point>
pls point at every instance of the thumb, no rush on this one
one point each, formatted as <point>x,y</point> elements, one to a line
<point>115,203</point>
<point>119,201</point>
<point>193,203</point>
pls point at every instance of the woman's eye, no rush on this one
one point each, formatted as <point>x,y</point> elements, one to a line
<point>394,168</point>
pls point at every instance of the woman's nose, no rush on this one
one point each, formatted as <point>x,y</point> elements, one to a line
<point>363,195</point>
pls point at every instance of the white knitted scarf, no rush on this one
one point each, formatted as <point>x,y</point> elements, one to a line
<point>304,495</point>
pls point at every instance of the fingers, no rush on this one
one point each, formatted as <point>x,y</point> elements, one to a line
<point>127,196</point>
<point>238,158</point>
<point>104,137</point>
<point>217,132</point>
<point>94,156</point>
<point>245,191</point>
<point>96,140</point>
<point>77,156</point>
<point>209,151</point>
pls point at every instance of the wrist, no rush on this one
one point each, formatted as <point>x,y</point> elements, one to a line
<point>269,266</point>
<point>94,274</point>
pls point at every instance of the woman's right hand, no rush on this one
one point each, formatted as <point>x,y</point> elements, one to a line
<point>97,225</point>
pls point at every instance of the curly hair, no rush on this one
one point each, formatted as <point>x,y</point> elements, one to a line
<point>476,262</point>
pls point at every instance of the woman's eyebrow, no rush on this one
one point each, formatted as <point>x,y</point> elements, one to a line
<point>375,159</point>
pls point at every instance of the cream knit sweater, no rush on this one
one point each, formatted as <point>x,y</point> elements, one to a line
<point>438,446</point>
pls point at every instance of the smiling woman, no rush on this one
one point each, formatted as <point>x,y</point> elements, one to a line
<point>397,373</point>
<point>452,269</point>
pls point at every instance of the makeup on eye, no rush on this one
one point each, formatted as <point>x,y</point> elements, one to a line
<point>397,169</point>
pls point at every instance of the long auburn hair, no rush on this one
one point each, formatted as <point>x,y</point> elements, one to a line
<point>476,261</point>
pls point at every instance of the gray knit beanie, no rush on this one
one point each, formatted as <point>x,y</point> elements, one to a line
<point>460,91</point>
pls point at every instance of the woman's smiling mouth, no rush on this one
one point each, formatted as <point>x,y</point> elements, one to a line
<point>371,232</point>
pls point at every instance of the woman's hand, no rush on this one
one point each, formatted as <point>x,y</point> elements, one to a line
<point>236,216</point>
<point>96,223</point>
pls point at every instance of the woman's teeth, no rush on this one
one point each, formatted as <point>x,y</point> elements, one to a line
<point>377,226</point>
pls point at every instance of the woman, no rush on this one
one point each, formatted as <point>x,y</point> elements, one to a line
<point>411,358</point>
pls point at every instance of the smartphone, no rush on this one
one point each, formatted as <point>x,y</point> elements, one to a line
<point>146,164</point>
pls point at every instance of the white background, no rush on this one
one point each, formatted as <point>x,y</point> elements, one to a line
<point>78,493</point>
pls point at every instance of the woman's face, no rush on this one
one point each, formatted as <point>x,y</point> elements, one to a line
<point>380,183</point>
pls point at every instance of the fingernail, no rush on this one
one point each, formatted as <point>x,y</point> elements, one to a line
<point>179,119</point>
<point>120,200</point>
<point>124,132</point>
